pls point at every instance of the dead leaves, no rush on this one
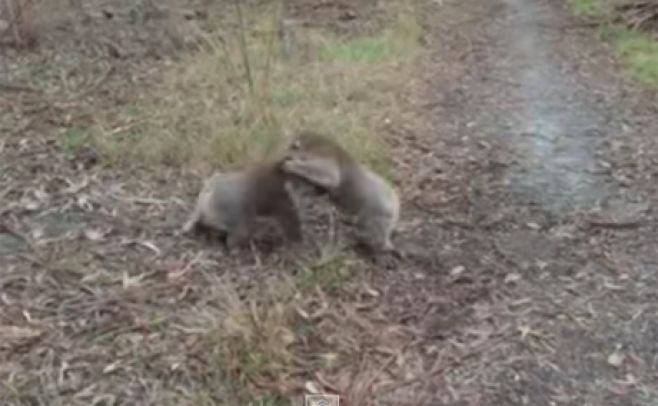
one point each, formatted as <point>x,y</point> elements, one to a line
<point>12,337</point>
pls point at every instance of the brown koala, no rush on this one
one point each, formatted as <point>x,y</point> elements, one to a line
<point>230,202</point>
<point>353,187</point>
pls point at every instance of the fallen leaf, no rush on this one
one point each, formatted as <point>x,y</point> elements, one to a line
<point>529,331</point>
<point>29,204</point>
<point>311,387</point>
<point>146,244</point>
<point>41,195</point>
<point>104,399</point>
<point>512,277</point>
<point>84,203</point>
<point>302,313</point>
<point>618,390</point>
<point>150,246</point>
<point>368,290</point>
<point>616,359</point>
<point>172,275</point>
<point>457,270</point>
<point>74,188</point>
<point>612,286</point>
<point>94,235</point>
<point>111,367</point>
<point>128,281</point>
<point>12,335</point>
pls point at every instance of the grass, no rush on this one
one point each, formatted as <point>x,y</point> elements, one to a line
<point>256,348</point>
<point>327,274</point>
<point>207,112</point>
<point>394,43</point>
<point>590,8</point>
<point>72,140</point>
<point>638,50</point>
<point>244,343</point>
<point>640,53</point>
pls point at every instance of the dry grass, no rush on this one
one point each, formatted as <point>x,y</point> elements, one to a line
<point>205,111</point>
<point>121,311</point>
<point>590,8</point>
<point>246,345</point>
<point>288,335</point>
<point>208,343</point>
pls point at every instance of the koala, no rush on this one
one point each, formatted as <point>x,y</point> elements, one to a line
<point>353,187</point>
<point>230,202</point>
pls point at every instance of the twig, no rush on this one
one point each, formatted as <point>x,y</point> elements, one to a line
<point>140,200</point>
<point>123,128</point>
<point>23,127</point>
<point>389,362</point>
<point>447,222</point>
<point>6,191</point>
<point>613,224</point>
<point>276,17</point>
<point>440,369</point>
<point>18,88</point>
<point>94,86</point>
<point>243,47</point>
<point>13,21</point>
<point>6,228</point>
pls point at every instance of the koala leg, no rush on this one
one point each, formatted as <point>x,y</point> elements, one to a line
<point>288,218</point>
<point>375,231</point>
<point>192,221</point>
<point>238,234</point>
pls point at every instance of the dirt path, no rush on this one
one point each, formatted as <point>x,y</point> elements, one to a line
<point>542,291</point>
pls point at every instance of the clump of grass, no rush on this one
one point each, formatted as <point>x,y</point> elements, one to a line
<point>73,139</point>
<point>395,43</point>
<point>327,274</point>
<point>639,50</point>
<point>247,345</point>
<point>590,8</point>
<point>236,102</point>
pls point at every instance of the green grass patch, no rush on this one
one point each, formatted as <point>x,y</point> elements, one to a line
<point>360,50</point>
<point>219,109</point>
<point>328,274</point>
<point>590,8</point>
<point>397,42</point>
<point>640,52</point>
<point>73,139</point>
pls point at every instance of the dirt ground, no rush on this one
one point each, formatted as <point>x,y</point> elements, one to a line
<point>528,181</point>
<point>542,172</point>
